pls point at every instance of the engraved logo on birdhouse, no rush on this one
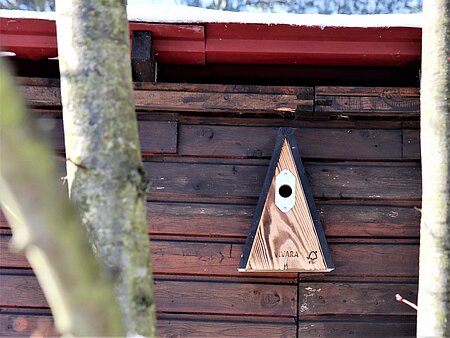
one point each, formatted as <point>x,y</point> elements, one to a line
<point>312,257</point>
<point>286,253</point>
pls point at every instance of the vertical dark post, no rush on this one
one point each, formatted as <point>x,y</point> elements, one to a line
<point>143,57</point>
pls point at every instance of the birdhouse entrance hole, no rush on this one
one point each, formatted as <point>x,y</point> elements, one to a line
<point>285,191</point>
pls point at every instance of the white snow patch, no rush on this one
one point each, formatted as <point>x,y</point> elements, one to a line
<point>185,14</point>
<point>312,289</point>
<point>7,54</point>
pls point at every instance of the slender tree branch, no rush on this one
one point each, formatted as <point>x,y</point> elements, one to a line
<point>46,227</point>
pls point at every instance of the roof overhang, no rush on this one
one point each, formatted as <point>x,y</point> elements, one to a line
<point>241,43</point>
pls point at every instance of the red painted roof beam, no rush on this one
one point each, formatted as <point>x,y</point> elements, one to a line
<point>300,45</point>
<point>36,39</point>
<point>242,43</point>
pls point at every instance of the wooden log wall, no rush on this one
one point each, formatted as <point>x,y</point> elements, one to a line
<point>206,150</point>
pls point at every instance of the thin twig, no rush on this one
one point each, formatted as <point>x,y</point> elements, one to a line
<point>82,167</point>
<point>399,298</point>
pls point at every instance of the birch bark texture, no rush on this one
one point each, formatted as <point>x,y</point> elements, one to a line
<point>434,272</point>
<point>45,226</point>
<point>106,178</point>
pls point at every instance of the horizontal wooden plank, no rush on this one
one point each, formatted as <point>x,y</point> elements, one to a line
<point>158,136</point>
<point>368,91</point>
<point>25,322</point>
<point>178,296</point>
<point>278,122</point>
<point>369,220</point>
<point>299,91</point>
<point>411,144</point>
<point>305,92</point>
<point>41,96</point>
<point>176,327</point>
<point>346,180</point>
<point>330,143</point>
<point>221,259</point>
<point>355,298</point>
<point>193,101</point>
<point>37,81</point>
<point>392,260</point>
<point>202,258</point>
<point>367,106</point>
<point>233,221</point>
<point>154,136</point>
<point>220,102</point>
<point>198,219</point>
<point>361,326</point>
<point>339,220</point>
<point>226,298</point>
<point>367,101</point>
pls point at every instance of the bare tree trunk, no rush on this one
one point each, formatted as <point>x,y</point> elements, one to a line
<point>105,173</point>
<point>47,229</point>
<point>434,274</point>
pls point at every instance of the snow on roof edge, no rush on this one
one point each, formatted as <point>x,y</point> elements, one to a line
<point>184,14</point>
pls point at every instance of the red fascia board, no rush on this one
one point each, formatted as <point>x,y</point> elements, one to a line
<point>36,39</point>
<point>28,38</point>
<point>242,43</point>
<point>300,45</point>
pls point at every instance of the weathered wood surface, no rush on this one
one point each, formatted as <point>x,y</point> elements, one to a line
<point>154,136</point>
<point>411,144</point>
<point>158,137</point>
<point>285,240</point>
<point>25,322</point>
<point>355,298</point>
<point>220,102</point>
<point>370,101</point>
<point>369,220</point>
<point>232,221</point>
<point>21,288</point>
<point>339,220</point>
<point>224,327</point>
<point>301,91</point>
<point>348,143</point>
<point>361,326</point>
<point>257,142</point>
<point>364,176</point>
<point>333,142</point>
<point>221,259</point>
<point>344,180</point>
<point>193,101</point>
<point>388,92</point>
<point>363,101</point>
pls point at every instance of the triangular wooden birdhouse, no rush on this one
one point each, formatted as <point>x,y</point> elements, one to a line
<point>286,233</point>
